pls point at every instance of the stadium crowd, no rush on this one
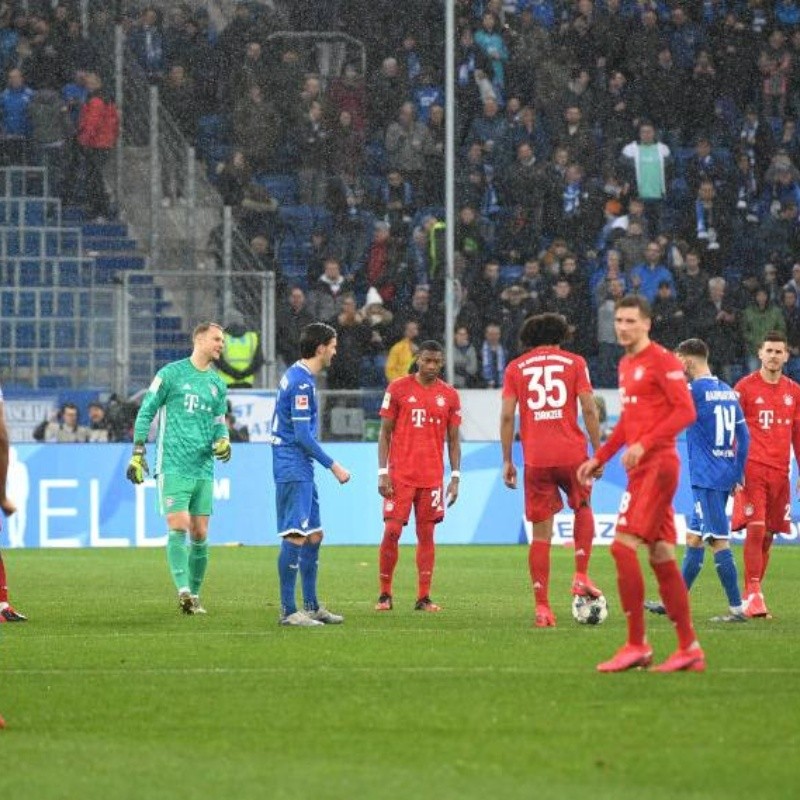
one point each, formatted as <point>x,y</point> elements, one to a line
<point>603,148</point>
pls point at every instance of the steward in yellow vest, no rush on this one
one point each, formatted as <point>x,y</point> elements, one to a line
<point>241,357</point>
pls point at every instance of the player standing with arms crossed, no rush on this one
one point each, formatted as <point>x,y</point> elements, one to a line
<point>656,406</point>
<point>7,612</point>
<point>294,450</point>
<point>418,412</point>
<point>548,383</point>
<point>191,400</point>
<point>771,405</point>
<point>717,444</point>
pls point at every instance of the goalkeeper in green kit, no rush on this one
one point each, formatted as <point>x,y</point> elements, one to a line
<point>190,400</point>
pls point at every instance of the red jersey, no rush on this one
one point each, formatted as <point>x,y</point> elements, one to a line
<point>422,415</point>
<point>772,413</point>
<point>546,382</point>
<point>656,403</point>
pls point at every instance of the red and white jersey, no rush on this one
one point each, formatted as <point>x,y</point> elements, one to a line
<point>772,413</point>
<point>422,415</point>
<point>546,382</point>
<point>656,402</point>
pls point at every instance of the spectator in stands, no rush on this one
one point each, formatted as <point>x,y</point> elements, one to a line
<point>692,284</point>
<point>50,130</point>
<point>313,150</point>
<point>717,323</point>
<point>756,139</point>
<point>380,320</point>
<point>386,95</point>
<point>427,93</point>
<point>469,240</point>
<point>575,135</point>
<point>291,317</point>
<point>705,165</point>
<point>486,289</point>
<point>99,426</point>
<point>577,311</point>
<point>403,352</point>
<point>397,205</point>
<point>493,356</point>
<point>465,360</point>
<point>98,129</point>
<point>648,161</point>
<point>794,282</point>
<point>515,307</point>
<point>408,143</point>
<point>355,341</point>
<point>15,124</point>
<point>347,146</point>
<point>686,39</point>
<point>708,227</point>
<point>523,181</point>
<point>242,356</point>
<point>791,318</point>
<point>771,284</point>
<point>256,129</point>
<point>574,212</point>
<point>652,271</point>
<point>348,94</point>
<point>430,322</point>
<point>381,267</point>
<point>668,327</point>
<point>434,159</point>
<point>757,320</point>
<point>325,297</point>
<point>491,42</point>
<point>63,427</point>
<point>252,70</point>
<point>179,98</point>
<point>609,350</point>
<point>779,234</point>
<point>235,433</point>
<point>146,42</point>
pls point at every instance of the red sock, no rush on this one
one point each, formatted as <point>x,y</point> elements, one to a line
<point>539,567</point>
<point>389,554</point>
<point>630,583</point>
<point>675,597</point>
<point>753,555</point>
<point>583,535</point>
<point>426,556</point>
<point>3,587</point>
<point>766,549</point>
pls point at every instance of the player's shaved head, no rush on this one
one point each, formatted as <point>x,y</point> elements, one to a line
<point>696,348</point>
<point>313,336</point>
<point>432,346</point>
<point>543,329</point>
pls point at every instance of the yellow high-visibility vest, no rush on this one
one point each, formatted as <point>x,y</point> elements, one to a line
<point>238,351</point>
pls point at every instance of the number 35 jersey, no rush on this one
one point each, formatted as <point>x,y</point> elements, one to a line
<point>546,383</point>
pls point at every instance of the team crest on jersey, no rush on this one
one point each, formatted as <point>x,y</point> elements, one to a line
<point>214,391</point>
<point>169,502</point>
<point>389,506</point>
<point>749,510</point>
<point>440,401</point>
<point>788,400</point>
<point>301,402</point>
<point>638,373</point>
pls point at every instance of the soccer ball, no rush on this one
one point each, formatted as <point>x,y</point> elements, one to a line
<point>589,610</point>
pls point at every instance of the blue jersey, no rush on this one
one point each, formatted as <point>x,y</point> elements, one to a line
<point>294,427</point>
<point>718,440</point>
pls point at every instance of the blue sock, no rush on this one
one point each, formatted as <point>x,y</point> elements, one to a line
<point>309,558</point>
<point>692,564</point>
<point>728,576</point>
<point>288,559</point>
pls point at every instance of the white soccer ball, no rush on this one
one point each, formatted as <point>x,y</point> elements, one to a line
<point>589,610</point>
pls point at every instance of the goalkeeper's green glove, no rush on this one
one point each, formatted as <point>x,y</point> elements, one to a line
<point>222,449</point>
<point>137,466</point>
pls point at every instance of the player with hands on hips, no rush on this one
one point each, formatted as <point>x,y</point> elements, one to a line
<point>419,412</point>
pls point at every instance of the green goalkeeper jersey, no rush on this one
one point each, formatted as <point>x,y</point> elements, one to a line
<point>191,406</point>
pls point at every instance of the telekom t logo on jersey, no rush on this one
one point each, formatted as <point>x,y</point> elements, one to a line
<point>190,402</point>
<point>765,418</point>
<point>417,417</point>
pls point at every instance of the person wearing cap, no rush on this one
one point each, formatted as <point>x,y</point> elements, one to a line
<point>241,356</point>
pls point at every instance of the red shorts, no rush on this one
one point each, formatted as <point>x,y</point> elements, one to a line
<point>645,509</point>
<point>764,498</point>
<point>542,495</point>
<point>428,504</point>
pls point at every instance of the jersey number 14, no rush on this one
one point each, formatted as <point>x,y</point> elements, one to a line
<point>726,426</point>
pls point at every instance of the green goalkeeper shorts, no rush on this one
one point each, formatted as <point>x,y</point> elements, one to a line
<point>195,495</point>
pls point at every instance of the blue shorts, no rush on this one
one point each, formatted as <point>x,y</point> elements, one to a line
<point>709,519</point>
<point>298,508</point>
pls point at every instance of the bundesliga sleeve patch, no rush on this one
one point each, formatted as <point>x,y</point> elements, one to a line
<point>155,385</point>
<point>301,402</point>
<point>387,400</point>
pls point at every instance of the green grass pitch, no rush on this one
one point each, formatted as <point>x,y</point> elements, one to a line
<point>109,693</point>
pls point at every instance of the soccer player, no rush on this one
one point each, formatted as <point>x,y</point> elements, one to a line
<point>771,405</point>
<point>656,406</point>
<point>7,612</point>
<point>294,450</point>
<point>418,412</point>
<point>717,443</point>
<point>548,383</point>
<point>190,400</point>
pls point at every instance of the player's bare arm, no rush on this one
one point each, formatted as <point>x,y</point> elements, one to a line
<point>592,421</point>
<point>632,456</point>
<point>507,424</point>
<point>589,470</point>
<point>454,453</point>
<point>385,488</point>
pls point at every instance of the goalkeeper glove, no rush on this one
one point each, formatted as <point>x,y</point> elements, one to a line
<point>137,466</point>
<point>222,449</point>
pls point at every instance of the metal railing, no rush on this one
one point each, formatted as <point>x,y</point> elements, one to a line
<point>20,181</point>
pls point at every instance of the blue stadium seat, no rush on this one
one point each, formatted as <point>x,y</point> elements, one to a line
<point>55,381</point>
<point>25,333</point>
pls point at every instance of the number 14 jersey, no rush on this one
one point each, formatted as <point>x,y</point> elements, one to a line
<point>546,382</point>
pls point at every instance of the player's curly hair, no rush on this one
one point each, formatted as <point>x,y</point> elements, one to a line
<point>543,329</point>
<point>314,335</point>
